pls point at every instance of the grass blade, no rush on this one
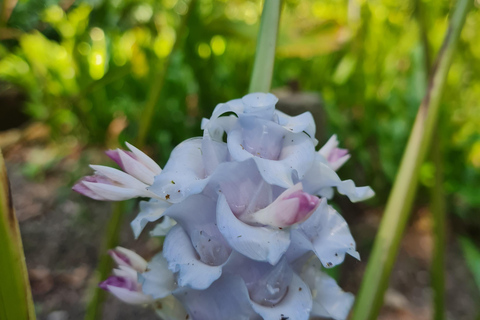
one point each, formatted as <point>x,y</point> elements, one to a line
<point>387,242</point>
<point>15,296</point>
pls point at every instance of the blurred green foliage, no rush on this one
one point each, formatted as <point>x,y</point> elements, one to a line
<point>87,69</point>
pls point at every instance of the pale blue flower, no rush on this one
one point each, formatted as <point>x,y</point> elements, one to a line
<point>246,221</point>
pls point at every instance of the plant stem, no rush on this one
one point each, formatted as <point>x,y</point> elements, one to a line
<point>158,81</point>
<point>387,242</point>
<point>113,228</point>
<point>105,264</point>
<point>437,208</point>
<point>15,295</point>
<point>262,73</point>
<point>437,193</point>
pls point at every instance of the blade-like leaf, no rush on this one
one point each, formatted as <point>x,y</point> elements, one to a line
<point>472,256</point>
<point>15,295</point>
<point>399,204</point>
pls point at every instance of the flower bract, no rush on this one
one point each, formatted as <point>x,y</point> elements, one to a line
<point>245,214</point>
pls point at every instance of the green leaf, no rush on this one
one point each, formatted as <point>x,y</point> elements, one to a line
<point>472,256</point>
<point>399,204</point>
<point>15,295</point>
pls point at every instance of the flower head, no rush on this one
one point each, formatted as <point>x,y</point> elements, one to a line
<point>247,222</point>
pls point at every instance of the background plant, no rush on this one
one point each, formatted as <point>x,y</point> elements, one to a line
<point>85,66</point>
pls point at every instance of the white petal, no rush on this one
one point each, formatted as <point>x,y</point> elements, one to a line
<point>135,168</point>
<point>296,156</point>
<point>158,281</point>
<point>119,176</point>
<point>146,160</point>
<point>226,298</point>
<point>340,162</point>
<point>149,211</point>
<point>255,137</point>
<point>215,128</point>
<point>331,144</point>
<point>321,176</point>
<point>162,228</point>
<point>299,246</point>
<point>302,122</point>
<point>261,138</point>
<point>113,193</point>
<point>213,153</point>
<point>257,243</point>
<point>182,258</point>
<point>329,235</point>
<point>135,261</point>
<point>296,304</point>
<point>217,125</point>
<point>260,104</point>
<point>169,308</point>
<point>243,186</point>
<point>197,216</point>
<point>130,297</point>
<point>125,272</point>
<point>184,173</point>
<point>329,300</point>
<point>204,123</point>
<point>327,192</point>
<point>235,106</point>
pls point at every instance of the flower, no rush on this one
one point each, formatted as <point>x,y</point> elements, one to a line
<point>135,163</point>
<point>246,221</point>
<point>110,184</point>
<point>137,282</point>
<point>123,284</point>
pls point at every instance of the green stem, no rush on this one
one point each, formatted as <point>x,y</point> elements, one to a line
<point>15,295</point>
<point>262,73</point>
<point>105,264</point>
<point>157,85</point>
<point>437,194</point>
<point>387,242</point>
<point>113,228</point>
<point>437,207</point>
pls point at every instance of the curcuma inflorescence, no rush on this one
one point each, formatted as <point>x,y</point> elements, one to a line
<point>245,217</point>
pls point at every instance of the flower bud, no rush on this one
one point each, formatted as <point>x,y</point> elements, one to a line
<point>126,289</point>
<point>125,257</point>
<point>335,156</point>
<point>291,207</point>
<point>110,184</point>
